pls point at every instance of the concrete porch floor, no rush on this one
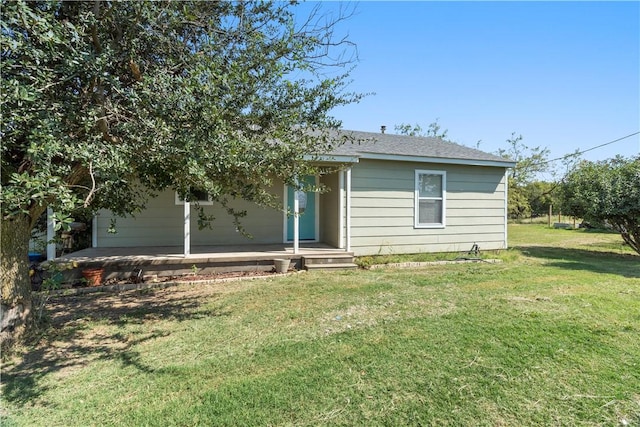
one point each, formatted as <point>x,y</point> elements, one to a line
<point>174,254</point>
<point>169,260</point>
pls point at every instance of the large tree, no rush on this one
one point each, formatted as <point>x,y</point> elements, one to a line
<point>530,162</point>
<point>105,103</point>
<point>606,192</point>
<point>540,196</point>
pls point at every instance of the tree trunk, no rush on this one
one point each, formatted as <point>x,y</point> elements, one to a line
<point>15,315</point>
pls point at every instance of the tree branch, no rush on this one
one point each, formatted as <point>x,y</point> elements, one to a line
<point>92,191</point>
<point>94,29</point>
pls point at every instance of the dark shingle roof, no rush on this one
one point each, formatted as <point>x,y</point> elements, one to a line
<point>369,143</point>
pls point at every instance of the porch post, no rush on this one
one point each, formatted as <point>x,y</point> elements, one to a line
<point>348,203</point>
<point>187,228</point>
<point>94,232</point>
<point>341,209</point>
<point>51,234</point>
<point>296,223</point>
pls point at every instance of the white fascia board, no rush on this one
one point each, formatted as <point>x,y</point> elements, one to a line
<point>420,159</point>
<point>334,159</point>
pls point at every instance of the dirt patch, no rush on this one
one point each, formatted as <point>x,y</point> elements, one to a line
<point>193,277</point>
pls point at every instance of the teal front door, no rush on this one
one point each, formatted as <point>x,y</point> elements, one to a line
<point>307,223</point>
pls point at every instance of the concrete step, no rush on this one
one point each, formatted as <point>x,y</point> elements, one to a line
<point>331,266</point>
<point>345,258</point>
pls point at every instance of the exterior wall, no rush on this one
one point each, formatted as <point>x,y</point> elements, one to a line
<point>330,210</point>
<point>382,213</point>
<point>263,224</point>
<point>161,224</point>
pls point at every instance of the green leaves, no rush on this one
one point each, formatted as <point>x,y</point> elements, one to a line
<point>432,131</point>
<point>607,192</point>
<point>107,101</point>
<point>531,161</point>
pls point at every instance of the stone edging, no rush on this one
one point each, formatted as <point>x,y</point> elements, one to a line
<point>162,285</point>
<point>430,263</point>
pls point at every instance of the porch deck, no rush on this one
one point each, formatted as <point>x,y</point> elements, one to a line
<point>170,260</point>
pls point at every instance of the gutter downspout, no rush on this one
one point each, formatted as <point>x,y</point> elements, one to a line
<point>506,206</point>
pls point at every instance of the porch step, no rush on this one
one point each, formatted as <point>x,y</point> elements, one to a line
<point>333,266</point>
<point>328,261</point>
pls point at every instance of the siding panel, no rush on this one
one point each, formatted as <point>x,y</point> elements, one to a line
<point>161,224</point>
<point>427,241</point>
<point>383,208</point>
<point>330,210</point>
<point>386,231</point>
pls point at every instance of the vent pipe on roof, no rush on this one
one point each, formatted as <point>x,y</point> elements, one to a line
<point>383,128</point>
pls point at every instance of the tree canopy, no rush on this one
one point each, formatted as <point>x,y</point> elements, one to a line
<point>433,130</point>
<point>530,162</point>
<point>606,192</point>
<point>106,102</point>
<point>101,96</point>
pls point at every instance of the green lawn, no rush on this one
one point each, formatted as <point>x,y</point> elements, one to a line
<point>550,336</point>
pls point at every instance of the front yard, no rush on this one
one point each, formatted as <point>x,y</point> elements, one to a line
<point>550,336</point>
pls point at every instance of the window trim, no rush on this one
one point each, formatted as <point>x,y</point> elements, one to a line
<point>180,201</point>
<point>417,199</point>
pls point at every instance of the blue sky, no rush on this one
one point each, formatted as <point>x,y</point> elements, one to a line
<point>564,75</point>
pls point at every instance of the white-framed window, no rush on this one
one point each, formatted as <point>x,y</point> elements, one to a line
<point>202,198</point>
<point>430,199</point>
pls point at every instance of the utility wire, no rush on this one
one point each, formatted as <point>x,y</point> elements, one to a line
<point>578,153</point>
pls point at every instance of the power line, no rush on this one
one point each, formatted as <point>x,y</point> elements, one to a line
<point>578,153</point>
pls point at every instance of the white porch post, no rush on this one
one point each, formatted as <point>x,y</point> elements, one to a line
<point>51,234</point>
<point>341,210</point>
<point>94,232</point>
<point>296,223</point>
<point>187,228</point>
<point>348,213</point>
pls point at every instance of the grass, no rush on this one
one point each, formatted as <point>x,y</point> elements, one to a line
<point>544,219</point>
<point>366,261</point>
<point>551,336</point>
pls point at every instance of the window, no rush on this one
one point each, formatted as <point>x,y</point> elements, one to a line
<point>201,197</point>
<point>430,199</point>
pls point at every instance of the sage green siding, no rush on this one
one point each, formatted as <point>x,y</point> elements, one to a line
<point>382,213</point>
<point>162,224</point>
<point>330,210</point>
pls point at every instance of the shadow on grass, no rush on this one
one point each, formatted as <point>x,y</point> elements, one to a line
<point>627,265</point>
<point>70,341</point>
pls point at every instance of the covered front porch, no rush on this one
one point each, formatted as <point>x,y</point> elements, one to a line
<point>149,262</point>
<point>313,230</point>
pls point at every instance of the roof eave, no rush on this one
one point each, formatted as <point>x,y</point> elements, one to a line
<point>332,159</point>
<point>441,160</point>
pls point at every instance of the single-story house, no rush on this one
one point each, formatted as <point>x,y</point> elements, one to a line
<point>397,194</point>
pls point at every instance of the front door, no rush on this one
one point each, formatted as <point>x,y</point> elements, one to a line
<point>307,222</point>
